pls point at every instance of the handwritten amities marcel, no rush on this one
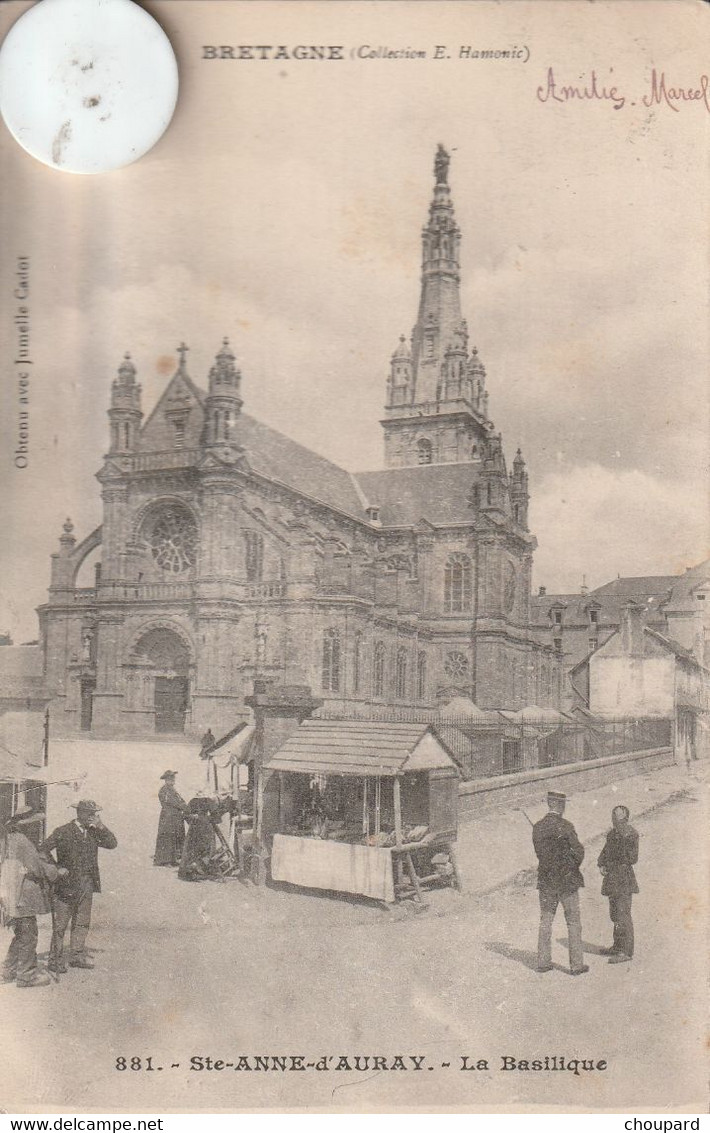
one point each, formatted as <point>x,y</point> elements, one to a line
<point>661,92</point>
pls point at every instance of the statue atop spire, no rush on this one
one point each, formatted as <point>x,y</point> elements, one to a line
<point>441,165</point>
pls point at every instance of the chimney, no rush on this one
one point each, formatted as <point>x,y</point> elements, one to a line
<point>542,591</point>
<point>632,622</point>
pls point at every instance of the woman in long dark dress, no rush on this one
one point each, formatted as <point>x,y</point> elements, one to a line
<point>171,827</point>
<point>201,814</point>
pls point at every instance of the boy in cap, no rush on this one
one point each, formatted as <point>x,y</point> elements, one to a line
<point>24,880</point>
<point>560,854</point>
<point>77,849</point>
<point>616,862</point>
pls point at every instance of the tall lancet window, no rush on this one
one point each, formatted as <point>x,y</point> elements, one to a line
<point>421,676</point>
<point>378,669</point>
<point>254,555</point>
<point>357,663</point>
<point>400,686</point>
<point>457,584</point>
<point>331,661</point>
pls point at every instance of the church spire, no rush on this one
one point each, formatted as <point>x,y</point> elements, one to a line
<point>439,325</point>
<point>436,393</point>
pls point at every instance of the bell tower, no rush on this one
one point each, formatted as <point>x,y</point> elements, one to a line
<point>125,414</point>
<point>224,401</point>
<point>437,405</point>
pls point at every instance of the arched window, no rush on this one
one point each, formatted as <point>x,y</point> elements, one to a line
<point>400,684</point>
<point>254,555</point>
<point>421,676</point>
<point>331,661</point>
<point>378,677</point>
<point>457,584</point>
<point>357,663</point>
<point>424,451</point>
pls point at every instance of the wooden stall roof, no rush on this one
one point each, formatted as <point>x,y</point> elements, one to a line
<point>361,747</point>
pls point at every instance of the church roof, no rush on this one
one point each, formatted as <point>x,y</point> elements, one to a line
<point>437,492</point>
<point>277,457</point>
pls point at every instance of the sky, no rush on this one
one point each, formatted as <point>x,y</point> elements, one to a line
<point>284,207</point>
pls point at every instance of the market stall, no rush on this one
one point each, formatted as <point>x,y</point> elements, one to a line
<point>361,807</point>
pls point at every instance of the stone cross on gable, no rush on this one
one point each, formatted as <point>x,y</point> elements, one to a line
<point>182,351</point>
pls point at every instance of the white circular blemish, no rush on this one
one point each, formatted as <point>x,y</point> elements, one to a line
<point>87,86</point>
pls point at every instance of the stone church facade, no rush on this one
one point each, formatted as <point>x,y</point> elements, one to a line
<point>228,551</point>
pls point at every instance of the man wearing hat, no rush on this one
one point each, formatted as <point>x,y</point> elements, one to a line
<point>77,850</point>
<point>24,880</point>
<point>171,824</point>
<point>560,854</point>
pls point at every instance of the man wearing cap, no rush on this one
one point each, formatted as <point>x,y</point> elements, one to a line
<point>24,883</point>
<point>560,854</point>
<point>77,850</point>
<point>616,862</point>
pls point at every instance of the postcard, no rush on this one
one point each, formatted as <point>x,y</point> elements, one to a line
<point>355,621</point>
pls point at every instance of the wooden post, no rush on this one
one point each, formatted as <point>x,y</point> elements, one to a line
<point>413,876</point>
<point>258,866</point>
<point>45,744</point>
<point>397,812</point>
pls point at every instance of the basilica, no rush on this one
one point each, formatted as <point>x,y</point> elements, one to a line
<point>229,552</point>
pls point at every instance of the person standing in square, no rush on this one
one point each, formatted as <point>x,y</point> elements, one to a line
<point>77,850</point>
<point>25,879</point>
<point>559,879</point>
<point>619,855</point>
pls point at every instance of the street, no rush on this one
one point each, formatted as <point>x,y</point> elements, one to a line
<point>224,971</point>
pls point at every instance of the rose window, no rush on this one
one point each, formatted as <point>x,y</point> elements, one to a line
<point>173,540</point>
<point>456,664</point>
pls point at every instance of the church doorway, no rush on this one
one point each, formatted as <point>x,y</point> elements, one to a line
<point>170,703</point>
<point>164,659</point>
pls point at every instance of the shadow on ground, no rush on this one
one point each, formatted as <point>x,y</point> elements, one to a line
<point>518,955</point>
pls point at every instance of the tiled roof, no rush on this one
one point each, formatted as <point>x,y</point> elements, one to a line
<point>279,458</point>
<point>357,747</point>
<point>650,592</point>
<point>683,596</point>
<point>667,642</point>
<point>674,646</point>
<point>645,585</point>
<point>436,492</point>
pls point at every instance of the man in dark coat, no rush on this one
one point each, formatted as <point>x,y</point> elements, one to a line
<point>171,825</point>
<point>560,854</point>
<point>616,861</point>
<point>77,850</point>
